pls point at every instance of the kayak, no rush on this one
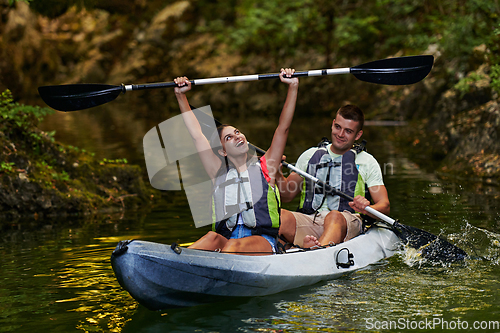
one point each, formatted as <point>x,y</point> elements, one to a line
<point>161,276</point>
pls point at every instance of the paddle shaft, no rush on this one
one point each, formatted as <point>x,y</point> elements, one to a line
<point>391,71</point>
<point>328,188</point>
<point>239,78</point>
<point>258,77</point>
<point>331,189</point>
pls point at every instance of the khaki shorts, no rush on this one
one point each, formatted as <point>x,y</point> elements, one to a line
<point>313,225</point>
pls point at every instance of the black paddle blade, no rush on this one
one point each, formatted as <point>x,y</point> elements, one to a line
<point>73,97</point>
<point>395,71</point>
<point>430,246</point>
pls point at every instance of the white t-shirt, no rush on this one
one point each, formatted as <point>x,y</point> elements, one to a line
<point>366,164</point>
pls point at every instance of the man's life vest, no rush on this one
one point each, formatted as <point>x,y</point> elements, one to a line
<point>340,172</point>
<point>248,195</point>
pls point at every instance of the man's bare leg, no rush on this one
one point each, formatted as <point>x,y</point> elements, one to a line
<point>288,226</point>
<point>310,241</point>
<point>335,228</point>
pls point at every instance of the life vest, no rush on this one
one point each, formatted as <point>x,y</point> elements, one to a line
<point>340,172</point>
<point>248,195</point>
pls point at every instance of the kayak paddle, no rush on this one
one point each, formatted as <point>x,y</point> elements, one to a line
<point>430,247</point>
<point>391,71</point>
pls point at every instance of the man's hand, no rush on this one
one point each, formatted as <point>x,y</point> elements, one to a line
<point>359,204</point>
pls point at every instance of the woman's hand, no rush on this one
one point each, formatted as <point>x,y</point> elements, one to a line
<point>183,85</point>
<point>286,76</point>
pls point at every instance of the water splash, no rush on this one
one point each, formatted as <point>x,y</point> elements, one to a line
<point>479,243</point>
<point>412,257</point>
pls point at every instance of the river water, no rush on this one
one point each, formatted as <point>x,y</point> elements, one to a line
<point>56,274</point>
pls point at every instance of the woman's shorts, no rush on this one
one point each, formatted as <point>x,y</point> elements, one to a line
<point>242,231</point>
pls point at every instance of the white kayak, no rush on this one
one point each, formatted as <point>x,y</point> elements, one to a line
<point>161,276</point>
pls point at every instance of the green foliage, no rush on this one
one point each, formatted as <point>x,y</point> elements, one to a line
<point>21,121</point>
<point>460,36</point>
<point>354,30</point>
<point>7,167</point>
<point>63,176</point>
<point>116,161</point>
<point>341,29</point>
<point>24,116</point>
<point>464,85</point>
<point>495,78</point>
<point>455,26</point>
<point>279,28</point>
<point>275,26</point>
<point>494,45</point>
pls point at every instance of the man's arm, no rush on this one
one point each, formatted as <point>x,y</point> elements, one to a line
<point>380,198</point>
<point>289,187</point>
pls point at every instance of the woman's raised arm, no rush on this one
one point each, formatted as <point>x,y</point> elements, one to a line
<point>275,151</point>
<point>210,161</point>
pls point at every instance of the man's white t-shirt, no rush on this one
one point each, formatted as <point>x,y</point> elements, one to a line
<point>366,164</point>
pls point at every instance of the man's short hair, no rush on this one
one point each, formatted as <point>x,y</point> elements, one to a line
<point>352,112</point>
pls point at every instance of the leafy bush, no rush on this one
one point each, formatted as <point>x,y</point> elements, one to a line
<point>24,117</point>
<point>464,85</point>
<point>495,78</point>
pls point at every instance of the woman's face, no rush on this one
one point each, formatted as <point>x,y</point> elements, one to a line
<point>234,142</point>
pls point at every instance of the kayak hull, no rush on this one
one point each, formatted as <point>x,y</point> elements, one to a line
<point>161,276</point>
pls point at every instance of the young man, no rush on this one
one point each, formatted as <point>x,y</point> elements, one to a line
<point>328,219</point>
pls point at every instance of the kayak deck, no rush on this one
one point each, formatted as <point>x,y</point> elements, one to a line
<point>160,276</point>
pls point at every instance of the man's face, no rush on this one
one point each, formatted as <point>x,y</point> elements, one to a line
<point>344,133</point>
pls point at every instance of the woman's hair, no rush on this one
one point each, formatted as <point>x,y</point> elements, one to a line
<point>215,139</point>
<point>216,145</point>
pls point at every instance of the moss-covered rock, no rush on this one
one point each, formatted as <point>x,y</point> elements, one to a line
<point>39,175</point>
<point>461,133</point>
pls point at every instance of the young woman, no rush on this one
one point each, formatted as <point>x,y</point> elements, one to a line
<point>246,204</point>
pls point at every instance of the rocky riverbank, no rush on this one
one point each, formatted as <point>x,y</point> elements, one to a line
<point>41,177</point>
<point>454,130</point>
<point>454,112</point>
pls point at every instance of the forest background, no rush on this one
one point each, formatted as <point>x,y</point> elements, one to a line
<point>454,112</point>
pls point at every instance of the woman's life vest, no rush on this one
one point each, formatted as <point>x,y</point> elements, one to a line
<point>340,172</point>
<point>247,195</point>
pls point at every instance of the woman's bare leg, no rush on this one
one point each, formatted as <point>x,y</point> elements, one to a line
<point>257,244</point>
<point>211,241</point>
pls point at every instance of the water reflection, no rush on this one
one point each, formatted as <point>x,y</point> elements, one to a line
<point>61,280</point>
<point>56,275</point>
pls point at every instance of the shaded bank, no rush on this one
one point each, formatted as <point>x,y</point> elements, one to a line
<point>454,110</point>
<point>39,176</point>
<point>456,130</point>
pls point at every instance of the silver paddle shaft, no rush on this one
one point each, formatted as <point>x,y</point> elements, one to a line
<point>369,209</point>
<point>238,78</point>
